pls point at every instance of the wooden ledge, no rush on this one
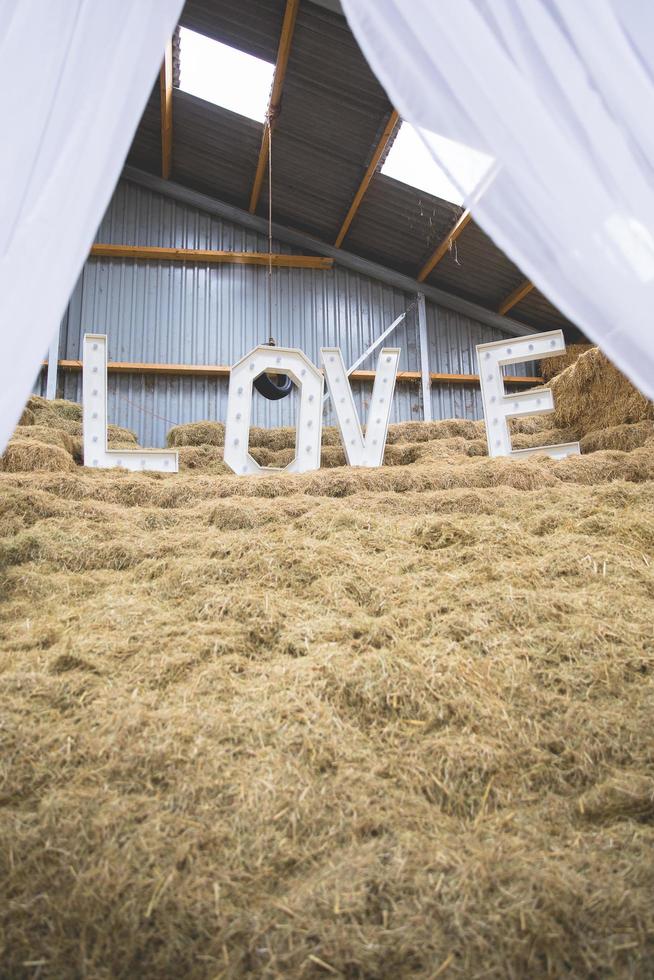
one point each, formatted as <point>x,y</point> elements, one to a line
<point>222,371</point>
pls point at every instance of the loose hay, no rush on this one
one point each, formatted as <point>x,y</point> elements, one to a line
<point>625,437</point>
<point>65,418</point>
<point>592,394</point>
<point>369,724</point>
<point>53,436</point>
<point>197,434</point>
<point>551,366</point>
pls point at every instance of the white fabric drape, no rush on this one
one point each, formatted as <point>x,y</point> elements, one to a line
<point>560,94</point>
<point>76,76</point>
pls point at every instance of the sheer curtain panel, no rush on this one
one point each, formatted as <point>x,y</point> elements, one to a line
<point>76,76</point>
<point>559,94</point>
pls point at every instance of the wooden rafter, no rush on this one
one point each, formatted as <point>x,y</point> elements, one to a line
<point>367,177</point>
<point>166,96</point>
<point>209,256</point>
<point>444,247</point>
<point>514,298</point>
<point>274,103</point>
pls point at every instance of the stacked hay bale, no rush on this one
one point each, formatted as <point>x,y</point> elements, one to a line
<point>551,366</point>
<point>49,437</point>
<point>591,396</point>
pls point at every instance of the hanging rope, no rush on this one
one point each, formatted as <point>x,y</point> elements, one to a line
<point>273,387</point>
<point>271,339</point>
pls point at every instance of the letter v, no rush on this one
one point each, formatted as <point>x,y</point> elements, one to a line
<point>360,450</point>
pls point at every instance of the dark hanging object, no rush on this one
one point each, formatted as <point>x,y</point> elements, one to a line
<point>273,387</point>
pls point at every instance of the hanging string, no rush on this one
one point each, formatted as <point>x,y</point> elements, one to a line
<point>271,339</point>
<point>143,410</point>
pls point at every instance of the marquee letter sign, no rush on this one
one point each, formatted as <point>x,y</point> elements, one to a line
<point>94,400</point>
<point>500,407</point>
<point>360,450</point>
<point>309,381</point>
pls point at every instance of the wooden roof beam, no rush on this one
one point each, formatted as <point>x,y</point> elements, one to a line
<point>461,223</point>
<point>274,103</point>
<point>514,298</point>
<point>166,98</point>
<point>209,256</point>
<point>367,177</point>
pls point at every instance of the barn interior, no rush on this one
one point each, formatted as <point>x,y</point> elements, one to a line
<point>363,723</point>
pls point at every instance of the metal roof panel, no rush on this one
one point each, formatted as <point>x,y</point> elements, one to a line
<point>252,26</point>
<point>214,150</point>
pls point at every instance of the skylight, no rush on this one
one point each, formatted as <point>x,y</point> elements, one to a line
<point>225,76</point>
<point>410,161</point>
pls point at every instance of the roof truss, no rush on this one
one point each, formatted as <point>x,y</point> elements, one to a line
<point>166,97</point>
<point>379,150</point>
<point>445,245</point>
<point>514,298</point>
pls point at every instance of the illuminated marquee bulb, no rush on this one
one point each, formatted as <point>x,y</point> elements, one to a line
<point>517,405</point>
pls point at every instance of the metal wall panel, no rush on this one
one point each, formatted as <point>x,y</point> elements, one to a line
<point>165,312</point>
<point>452,342</point>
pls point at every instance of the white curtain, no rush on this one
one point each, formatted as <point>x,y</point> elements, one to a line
<point>76,76</point>
<point>560,95</point>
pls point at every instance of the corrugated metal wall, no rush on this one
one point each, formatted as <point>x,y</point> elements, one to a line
<point>452,341</point>
<point>185,314</point>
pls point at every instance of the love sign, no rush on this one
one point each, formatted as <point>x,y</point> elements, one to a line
<point>360,449</point>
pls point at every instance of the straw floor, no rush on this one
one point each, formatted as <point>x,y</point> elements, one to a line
<point>358,724</point>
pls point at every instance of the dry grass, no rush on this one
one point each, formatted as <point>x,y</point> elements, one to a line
<point>367,724</point>
<point>551,366</point>
<point>592,394</point>
<point>33,454</point>
<point>49,437</point>
<point>624,437</point>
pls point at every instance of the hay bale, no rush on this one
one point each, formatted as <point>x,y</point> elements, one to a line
<point>529,424</point>
<point>410,432</point>
<point>284,438</point>
<point>197,434</point>
<point>455,448</point>
<point>204,458</point>
<point>624,437</point>
<point>332,457</point>
<point>50,436</point>
<point>281,439</point>
<point>551,366</point>
<point>592,394</point>
<point>55,413</point>
<point>26,455</point>
<point>543,437</point>
<point>120,438</point>
<point>66,418</point>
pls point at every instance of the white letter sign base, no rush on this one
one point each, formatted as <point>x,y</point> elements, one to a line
<point>94,414</point>
<point>499,407</point>
<point>360,451</point>
<point>309,381</point>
